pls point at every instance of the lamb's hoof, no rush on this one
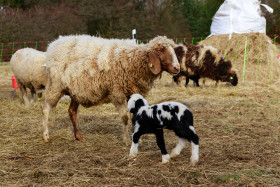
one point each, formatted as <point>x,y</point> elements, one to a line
<point>46,137</point>
<point>79,136</point>
<point>174,154</point>
<point>132,155</point>
<point>165,158</point>
<point>193,161</point>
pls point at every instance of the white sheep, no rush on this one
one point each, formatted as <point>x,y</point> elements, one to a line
<point>94,70</point>
<point>27,66</point>
<point>153,119</point>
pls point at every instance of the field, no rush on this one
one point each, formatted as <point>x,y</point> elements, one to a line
<point>239,130</point>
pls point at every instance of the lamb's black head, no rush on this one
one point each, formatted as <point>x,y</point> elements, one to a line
<point>135,102</point>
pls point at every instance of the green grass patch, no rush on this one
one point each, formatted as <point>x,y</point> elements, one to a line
<point>226,178</point>
<point>228,128</point>
<point>194,175</point>
<point>255,173</point>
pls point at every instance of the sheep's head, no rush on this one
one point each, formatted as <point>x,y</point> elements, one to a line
<point>135,102</point>
<point>225,72</point>
<point>162,57</point>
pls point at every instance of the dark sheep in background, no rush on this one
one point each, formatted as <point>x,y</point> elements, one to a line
<point>203,61</point>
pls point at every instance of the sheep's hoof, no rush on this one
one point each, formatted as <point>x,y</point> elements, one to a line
<point>126,141</point>
<point>79,136</point>
<point>165,158</point>
<point>46,137</point>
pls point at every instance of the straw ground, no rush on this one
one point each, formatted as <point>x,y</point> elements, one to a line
<point>239,129</point>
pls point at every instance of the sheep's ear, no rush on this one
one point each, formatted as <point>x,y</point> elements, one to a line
<point>154,63</point>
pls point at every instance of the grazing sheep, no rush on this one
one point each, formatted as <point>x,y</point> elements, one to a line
<point>94,70</point>
<point>203,61</point>
<point>153,119</point>
<point>27,66</point>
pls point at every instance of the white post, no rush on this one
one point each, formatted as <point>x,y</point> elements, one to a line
<point>134,34</point>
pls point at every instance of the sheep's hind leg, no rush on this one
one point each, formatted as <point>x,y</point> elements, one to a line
<point>181,144</point>
<point>23,93</point>
<point>33,94</point>
<point>73,112</point>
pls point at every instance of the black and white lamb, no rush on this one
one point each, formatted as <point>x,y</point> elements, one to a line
<point>167,115</point>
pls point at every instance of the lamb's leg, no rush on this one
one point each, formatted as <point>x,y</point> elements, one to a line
<point>195,153</point>
<point>135,139</point>
<point>161,144</point>
<point>50,101</point>
<point>73,112</point>
<point>181,144</point>
<point>194,139</point>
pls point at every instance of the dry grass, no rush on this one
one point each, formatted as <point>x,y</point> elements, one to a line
<point>239,129</point>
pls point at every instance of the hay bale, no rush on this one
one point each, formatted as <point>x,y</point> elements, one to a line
<point>261,55</point>
<point>259,45</point>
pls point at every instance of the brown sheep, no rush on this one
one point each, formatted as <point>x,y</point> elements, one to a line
<point>203,61</point>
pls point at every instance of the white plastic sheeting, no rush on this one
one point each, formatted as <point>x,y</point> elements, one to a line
<point>239,16</point>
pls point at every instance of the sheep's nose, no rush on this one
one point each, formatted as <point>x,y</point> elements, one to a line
<point>177,67</point>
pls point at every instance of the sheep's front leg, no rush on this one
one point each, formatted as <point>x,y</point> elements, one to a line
<point>46,111</point>
<point>73,113</point>
<point>51,99</point>
<point>160,142</point>
<point>176,79</point>
<point>123,113</point>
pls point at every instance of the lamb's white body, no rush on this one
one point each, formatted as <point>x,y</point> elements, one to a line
<point>28,67</point>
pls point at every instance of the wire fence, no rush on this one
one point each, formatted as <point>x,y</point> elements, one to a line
<point>256,72</point>
<point>8,49</point>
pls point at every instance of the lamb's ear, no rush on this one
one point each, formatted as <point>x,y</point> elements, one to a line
<point>154,63</point>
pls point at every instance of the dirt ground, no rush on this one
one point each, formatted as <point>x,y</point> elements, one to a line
<point>239,130</point>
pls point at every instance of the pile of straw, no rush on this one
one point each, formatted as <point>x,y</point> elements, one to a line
<point>254,55</point>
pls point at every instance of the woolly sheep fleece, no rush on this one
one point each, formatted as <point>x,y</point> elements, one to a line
<point>204,61</point>
<point>27,67</point>
<point>92,70</point>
